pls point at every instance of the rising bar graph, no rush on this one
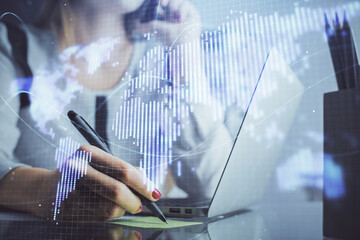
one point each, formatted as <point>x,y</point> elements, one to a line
<point>232,56</point>
<point>72,165</point>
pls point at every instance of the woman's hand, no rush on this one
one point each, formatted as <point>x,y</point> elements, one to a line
<point>101,194</point>
<point>181,23</point>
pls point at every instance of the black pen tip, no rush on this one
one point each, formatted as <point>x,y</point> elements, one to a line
<point>71,114</point>
<point>162,217</point>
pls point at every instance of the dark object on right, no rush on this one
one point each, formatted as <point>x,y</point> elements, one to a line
<point>343,53</point>
<point>341,195</point>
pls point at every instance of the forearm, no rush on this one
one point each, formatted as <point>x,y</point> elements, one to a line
<point>25,189</point>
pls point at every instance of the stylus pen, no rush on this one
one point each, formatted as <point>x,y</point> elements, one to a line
<point>94,139</point>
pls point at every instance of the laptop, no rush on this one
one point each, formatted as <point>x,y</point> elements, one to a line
<point>256,148</point>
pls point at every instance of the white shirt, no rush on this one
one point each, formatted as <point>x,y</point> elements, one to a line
<point>32,135</point>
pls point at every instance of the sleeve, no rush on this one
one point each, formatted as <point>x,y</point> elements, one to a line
<point>9,106</point>
<point>202,150</point>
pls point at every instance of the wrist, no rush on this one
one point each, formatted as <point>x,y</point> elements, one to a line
<point>29,190</point>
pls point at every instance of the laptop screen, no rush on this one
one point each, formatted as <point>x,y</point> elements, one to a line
<point>234,117</point>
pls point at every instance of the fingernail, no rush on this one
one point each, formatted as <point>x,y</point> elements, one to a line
<point>138,235</point>
<point>156,194</point>
<point>140,209</point>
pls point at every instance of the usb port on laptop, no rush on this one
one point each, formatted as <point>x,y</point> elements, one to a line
<point>174,210</point>
<point>189,211</point>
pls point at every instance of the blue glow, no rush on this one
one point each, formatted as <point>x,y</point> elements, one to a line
<point>333,179</point>
<point>24,84</point>
<point>179,168</point>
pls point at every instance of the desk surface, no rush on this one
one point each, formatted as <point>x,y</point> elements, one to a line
<point>292,220</point>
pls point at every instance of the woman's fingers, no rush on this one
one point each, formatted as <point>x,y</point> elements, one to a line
<point>97,204</point>
<point>183,23</point>
<point>143,172</point>
<point>111,189</point>
<point>85,205</point>
<point>181,11</point>
<point>124,172</point>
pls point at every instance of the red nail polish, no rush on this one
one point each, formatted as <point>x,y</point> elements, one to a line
<point>156,194</point>
<point>138,235</point>
<point>140,209</point>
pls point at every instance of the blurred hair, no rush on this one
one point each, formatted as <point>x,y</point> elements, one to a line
<point>57,15</point>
